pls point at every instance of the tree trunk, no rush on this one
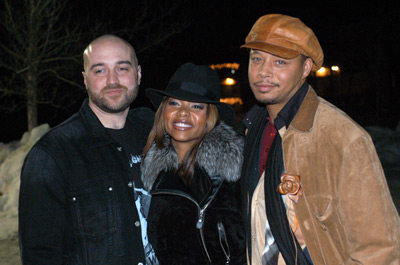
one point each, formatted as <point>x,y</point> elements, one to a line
<point>31,101</point>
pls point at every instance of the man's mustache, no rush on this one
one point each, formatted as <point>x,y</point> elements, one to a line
<point>266,82</point>
<point>116,86</point>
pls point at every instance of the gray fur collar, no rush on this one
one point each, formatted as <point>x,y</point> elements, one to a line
<point>220,154</point>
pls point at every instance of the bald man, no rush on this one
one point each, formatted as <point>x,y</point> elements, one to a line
<point>81,197</point>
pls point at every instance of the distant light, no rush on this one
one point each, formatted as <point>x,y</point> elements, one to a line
<point>335,68</point>
<point>229,81</point>
<point>322,72</point>
<point>232,101</point>
<point>225,65</point>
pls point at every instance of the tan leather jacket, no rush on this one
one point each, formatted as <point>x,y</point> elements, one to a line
<point>346,212</point>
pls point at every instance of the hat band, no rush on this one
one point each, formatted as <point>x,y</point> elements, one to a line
<point>193,88</point>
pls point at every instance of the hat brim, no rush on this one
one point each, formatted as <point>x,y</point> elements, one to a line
<point>225,111</point>
<point>273,49</point>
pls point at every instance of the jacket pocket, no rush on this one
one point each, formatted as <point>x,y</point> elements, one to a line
<point>331,225</point>
<point>93,206</point>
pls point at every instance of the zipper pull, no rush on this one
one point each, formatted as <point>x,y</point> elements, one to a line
<point>200,223</point>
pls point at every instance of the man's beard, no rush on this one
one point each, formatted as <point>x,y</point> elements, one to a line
<point>106,104</point>
<point>266,101</point>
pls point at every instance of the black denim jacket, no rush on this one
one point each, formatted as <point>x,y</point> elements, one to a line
<point>76,197</point>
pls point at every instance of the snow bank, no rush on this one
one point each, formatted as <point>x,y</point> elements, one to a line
<point>12,156</point>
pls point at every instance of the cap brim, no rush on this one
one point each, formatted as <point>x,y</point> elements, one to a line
<point>273,49</point>
<point>225,111</point>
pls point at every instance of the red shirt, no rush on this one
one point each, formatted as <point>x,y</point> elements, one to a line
<point>268,137</point>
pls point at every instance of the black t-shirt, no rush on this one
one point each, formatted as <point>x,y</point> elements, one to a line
<point>127,138</point>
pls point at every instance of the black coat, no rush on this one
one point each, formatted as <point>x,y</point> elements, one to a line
<point>76,205</point>
<point>199,223</point>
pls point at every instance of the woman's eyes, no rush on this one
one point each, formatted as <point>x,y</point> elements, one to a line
<point>197,106</point>
<point>173,103</point>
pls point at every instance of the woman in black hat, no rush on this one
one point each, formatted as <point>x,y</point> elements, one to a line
<point>191,165</point>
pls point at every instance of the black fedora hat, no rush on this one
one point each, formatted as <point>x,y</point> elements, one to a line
<point>197,83</point>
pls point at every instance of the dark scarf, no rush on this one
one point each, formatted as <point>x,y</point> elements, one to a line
<point>275,208</point>
<point>251,165</point>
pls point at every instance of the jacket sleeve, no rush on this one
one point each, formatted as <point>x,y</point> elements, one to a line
<point>42,206</point>
<point>369,217</point>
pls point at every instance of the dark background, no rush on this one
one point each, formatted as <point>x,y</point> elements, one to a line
<point>361,38</point>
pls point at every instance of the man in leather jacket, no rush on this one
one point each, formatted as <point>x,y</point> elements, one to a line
<point>81,197</point>
<point>314,189</point>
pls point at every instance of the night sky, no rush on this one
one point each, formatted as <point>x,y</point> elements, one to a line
<point>361,37</point>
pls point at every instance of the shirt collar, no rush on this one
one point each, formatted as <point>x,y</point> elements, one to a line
<point>287,113</point>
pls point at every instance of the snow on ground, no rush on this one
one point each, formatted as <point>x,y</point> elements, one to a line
<point>387,143</point>
<point>11,158</point>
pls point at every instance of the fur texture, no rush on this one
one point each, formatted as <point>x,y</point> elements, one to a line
<point>220,154</point>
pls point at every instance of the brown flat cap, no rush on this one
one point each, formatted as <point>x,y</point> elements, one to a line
<point>286,37</point>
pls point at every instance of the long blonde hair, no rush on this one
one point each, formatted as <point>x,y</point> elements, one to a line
<point>186,168</point>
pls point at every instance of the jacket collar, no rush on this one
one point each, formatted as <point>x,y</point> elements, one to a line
<point>141,118</point>
<point>99,134</point>
<point>220,155</point>
<point>304,119</point>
